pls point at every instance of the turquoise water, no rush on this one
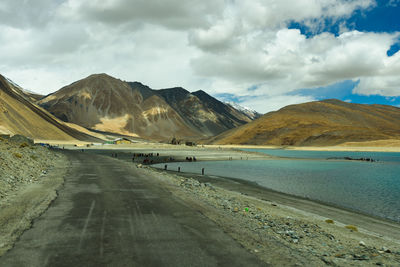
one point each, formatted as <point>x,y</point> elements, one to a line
<point>380,156</point>
<point>372,188</point>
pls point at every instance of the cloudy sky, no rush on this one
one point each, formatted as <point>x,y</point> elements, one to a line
<point>263,54</point>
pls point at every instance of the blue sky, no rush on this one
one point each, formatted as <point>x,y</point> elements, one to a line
<point>385,17</point>
<point>342,90</point>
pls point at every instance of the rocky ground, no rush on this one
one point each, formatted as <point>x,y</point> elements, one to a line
<point>21,164</point>
<point>29,178</point>
<point>279,234</point>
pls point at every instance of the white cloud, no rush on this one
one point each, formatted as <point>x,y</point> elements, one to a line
<point>218,46</point>
<point>153,55</point>
<point>268,104</point>
<point>393,3</point>
<point>288,61</point>
<point>173,14</point>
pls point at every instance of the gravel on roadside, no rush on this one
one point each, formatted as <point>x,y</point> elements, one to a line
<point>29,179</point>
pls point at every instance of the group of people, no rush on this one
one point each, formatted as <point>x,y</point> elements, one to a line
<point>143,155</point>
<point>148,158</point>
<point>190,158</point>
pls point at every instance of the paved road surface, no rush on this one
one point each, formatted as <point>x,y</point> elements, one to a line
<point>109,214</point>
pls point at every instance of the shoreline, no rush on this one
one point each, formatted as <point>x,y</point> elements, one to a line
<point>328,210</point>
<point>370,146</point>
<point>345,148</point>
<point>279,233</point>
<point>341,215</point>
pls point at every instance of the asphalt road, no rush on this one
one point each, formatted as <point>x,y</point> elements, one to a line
<point>109,214</point>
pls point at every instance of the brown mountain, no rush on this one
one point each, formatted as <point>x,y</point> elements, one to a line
<point>19,115</point>
<point>328,122</point>
<point>104,103</point>
<point>199,110</point>
<point>204,112</point>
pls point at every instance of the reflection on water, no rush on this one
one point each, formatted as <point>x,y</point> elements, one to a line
<point>372,188</point>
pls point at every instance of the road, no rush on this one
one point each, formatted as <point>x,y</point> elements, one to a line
<point>108,213</point>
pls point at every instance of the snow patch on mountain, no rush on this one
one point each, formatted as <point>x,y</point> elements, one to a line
<point>252,114</point>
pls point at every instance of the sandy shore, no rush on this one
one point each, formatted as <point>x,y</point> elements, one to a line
<point>370,146</point>
<point>371,225</point>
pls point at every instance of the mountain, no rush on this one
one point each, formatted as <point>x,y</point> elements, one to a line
<point>202,111</point>
<point>104,103</point>
<point>328,122</point>
<point>19,115</point>
<point>199,110</point>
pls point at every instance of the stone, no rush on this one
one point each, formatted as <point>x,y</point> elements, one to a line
<point>326,261</point>
<point>208,185</point>
<point>360,257</point>
<point>330,236</point>
<point>362,244</point>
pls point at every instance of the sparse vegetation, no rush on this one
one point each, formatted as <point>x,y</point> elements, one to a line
<point>352,228</point>
<point>329,221</point>
<point>23,145</point>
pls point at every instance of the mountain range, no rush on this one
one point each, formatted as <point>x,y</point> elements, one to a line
<point>104,103</point>
<point>90,108</point>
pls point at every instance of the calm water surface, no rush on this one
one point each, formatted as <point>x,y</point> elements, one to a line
<point>372,188</point>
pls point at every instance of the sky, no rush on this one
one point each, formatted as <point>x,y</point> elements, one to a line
<point>262,54</point>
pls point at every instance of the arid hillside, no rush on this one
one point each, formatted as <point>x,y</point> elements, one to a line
<point>19,115</point>
<point>328,122</point>
<point>104,103</point>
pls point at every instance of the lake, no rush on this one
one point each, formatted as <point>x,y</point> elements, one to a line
<point>369,187</point>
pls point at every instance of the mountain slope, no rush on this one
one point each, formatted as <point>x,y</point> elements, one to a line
<point>327,122</point>
<point>202,111</point>
<point>104,103</point>
<point>18,115</point>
